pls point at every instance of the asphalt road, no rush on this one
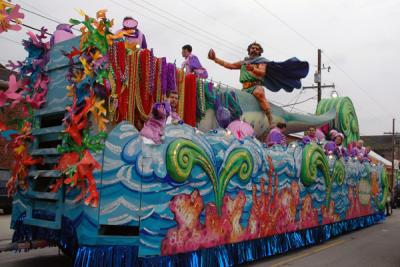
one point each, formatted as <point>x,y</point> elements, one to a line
<point>37,257</point>
<point>377,245</point>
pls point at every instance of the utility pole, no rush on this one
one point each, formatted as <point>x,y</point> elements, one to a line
<point>393,147</point>
<point>319,75</point>
<point>317,78</point>
<point>394,135</point>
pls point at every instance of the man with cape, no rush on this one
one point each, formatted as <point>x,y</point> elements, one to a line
<point>257,72</point>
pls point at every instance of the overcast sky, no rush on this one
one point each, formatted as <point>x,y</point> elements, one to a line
<point>360,41</point>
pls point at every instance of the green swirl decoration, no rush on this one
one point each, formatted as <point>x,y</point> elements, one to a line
<point>314,159</point>
<point>339,172</point>
<point>239,162</point>
<point>346,119</point>
<point>385,189</point>
<point>182,156</point>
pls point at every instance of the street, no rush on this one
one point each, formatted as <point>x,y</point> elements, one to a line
<point>373,246</point>
<point>376,246</point>
<point>37,257</point>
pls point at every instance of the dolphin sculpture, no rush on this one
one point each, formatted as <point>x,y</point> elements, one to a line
<point>257,118</point>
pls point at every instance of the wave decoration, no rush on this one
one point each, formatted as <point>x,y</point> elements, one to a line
<point>346,118</point>
<point>385,191</point>
<point>183,155</point>
<point>314,159</point>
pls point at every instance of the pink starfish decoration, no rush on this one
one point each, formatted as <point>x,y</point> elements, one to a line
<point>11,93</point>
<point>9,15</point>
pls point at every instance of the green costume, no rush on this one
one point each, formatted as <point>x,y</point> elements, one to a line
<point>247,77</point>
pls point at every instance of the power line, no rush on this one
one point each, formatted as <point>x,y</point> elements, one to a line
<point>281,105</point>
<point>39,15</point>
<point>285,23</point>
<point>190,29</point>
<point>357,85</point>
<point>37,9</point>
<point>206,33</point>
<point>165,25</point>
<point>227,25</point>
<point>313,45</point>
<point>10,40</point>
<point>297,103</point>
<point>45,17</point>
<point>31,27</point>
<point>297,99</point>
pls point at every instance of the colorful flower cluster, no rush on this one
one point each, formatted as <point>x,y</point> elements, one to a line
<point>10,17</point>
<point>26,91</point>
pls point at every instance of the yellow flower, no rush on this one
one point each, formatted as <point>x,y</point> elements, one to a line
<point>80,12</point>
<point>86,67</point>
<point>97,55</point>
<point>99,106</point>
<point>70,89</point>
<point>99,113</point>
<point>20,149</point>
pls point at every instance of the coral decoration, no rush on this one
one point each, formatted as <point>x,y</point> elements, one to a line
<point>10,14</point>
<point>308,214</point>
<point>78,169</point>
<point>22,159</point>
<point>328,214</point>
<point>28,90</point>
<point>90,91</point>
<point>83,179</point>
<point>11,95</point>
<point>356,209</point>
<point>272,212</point>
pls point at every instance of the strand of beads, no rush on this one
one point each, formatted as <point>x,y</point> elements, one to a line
<point>181,92</point>
<point>143,98</point>
<point>201,106</point>
<point>157,80</point>
<point>134,82</point>
<point>113,99</point>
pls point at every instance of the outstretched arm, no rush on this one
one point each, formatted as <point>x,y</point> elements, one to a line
<point>212,56</point>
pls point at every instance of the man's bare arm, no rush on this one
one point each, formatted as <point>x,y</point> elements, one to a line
<point>235,65</point>
<point>231,66</point>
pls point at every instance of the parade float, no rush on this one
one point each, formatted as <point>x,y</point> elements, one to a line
<point>84,180</point>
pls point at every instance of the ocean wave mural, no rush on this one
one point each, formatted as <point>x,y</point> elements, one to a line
<point>209,189</point>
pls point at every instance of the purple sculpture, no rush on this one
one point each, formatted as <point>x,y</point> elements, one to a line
<point>153,129</point>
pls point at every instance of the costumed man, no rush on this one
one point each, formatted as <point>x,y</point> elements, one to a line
<point>192,63</point>
<point>257,72</point>
<point>135,38</point>
<point>311,136</point>
<point>173,99</point>
<point>276,135</point>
